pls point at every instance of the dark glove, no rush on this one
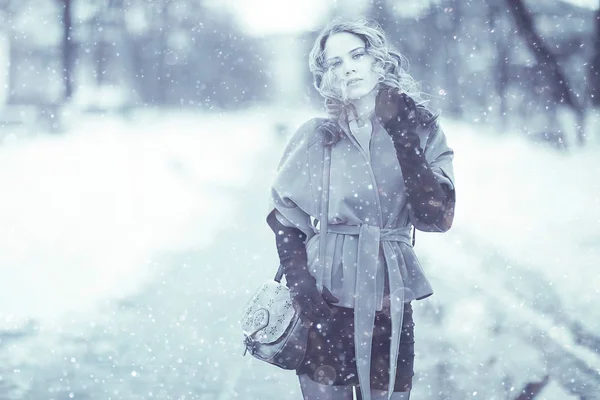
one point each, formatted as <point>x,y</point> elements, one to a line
<point>398,115</point>
<point>303,286</point>
<point>311,304</point>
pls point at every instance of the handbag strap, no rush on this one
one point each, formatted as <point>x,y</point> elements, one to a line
<point>324,202</point>
<point>324,208</point>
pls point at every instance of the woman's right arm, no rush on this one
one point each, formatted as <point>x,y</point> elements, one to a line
<point>290,244</point>
<point>291,249</point>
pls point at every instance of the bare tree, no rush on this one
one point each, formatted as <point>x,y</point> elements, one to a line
<point>161,64</point>
<point>594,69</point>
<point>502,42</point>
<point>4,54</point>
<point>453,55</point>
<point>68,48</point>
<point>552,72</point>
<point>100,44</point>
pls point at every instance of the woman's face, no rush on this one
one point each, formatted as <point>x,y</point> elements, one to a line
<point>351,66</point>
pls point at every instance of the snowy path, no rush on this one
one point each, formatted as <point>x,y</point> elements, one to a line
<point>505,312</point>
<point>138,317</point>
<point>517,278</point>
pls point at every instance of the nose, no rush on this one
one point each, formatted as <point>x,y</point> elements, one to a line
<point>350,68</point>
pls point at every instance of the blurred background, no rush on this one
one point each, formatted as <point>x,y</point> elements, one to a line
<point>138,139</point>
<point>512,64</point>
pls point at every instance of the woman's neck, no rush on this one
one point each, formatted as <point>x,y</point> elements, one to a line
<point>365,106</point>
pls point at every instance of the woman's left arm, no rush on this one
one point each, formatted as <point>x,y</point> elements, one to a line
<point>427,172</point>
<point>433,210</point>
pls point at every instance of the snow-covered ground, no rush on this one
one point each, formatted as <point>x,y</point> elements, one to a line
<point>128,248</point>
<point>82,214</point>
<point>516,278</point>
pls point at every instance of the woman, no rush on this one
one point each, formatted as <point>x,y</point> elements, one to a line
<point>390,170</point>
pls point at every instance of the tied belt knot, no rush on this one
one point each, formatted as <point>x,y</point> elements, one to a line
<point>370,239</point>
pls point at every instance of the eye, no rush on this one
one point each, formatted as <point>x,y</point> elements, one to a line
<point>335,64</point>
<point>358,55</point>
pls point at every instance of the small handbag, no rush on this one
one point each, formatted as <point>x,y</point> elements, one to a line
<point>272,327</point>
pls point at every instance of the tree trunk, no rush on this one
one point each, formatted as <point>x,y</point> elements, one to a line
<point>502,62</point>
<point>5,51</point>
<point>553,74</point>
<point>68,50</point>
<point>452,47</point>
<point>100,52</point>
<point>162,83</point>
<point>594,70</point>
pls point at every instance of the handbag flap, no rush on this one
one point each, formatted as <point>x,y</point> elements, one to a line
<point>268,313</point>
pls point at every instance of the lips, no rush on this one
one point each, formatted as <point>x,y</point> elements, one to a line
<point>353,81</point>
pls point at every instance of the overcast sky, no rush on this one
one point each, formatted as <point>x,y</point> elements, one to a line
<point>263,17</point>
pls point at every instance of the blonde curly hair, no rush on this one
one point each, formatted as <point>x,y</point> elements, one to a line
<point>390,65</point>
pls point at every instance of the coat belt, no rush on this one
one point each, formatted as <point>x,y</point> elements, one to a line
<point>370,238</point>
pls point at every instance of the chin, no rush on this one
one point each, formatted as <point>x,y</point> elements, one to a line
<point>358,93</point>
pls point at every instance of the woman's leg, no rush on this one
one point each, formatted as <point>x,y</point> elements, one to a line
<point>382,395</point>
<point>398,396</point>
<point>312,390</point>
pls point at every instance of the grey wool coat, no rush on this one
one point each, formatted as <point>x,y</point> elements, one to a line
<point>369,261</point>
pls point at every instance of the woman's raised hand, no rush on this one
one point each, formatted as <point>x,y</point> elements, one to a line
<point>397,113</point>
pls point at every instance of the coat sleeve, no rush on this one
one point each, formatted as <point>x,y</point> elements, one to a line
<point>291,198</point>
<point>439,156</point>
